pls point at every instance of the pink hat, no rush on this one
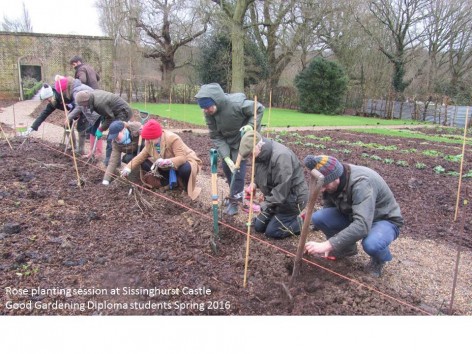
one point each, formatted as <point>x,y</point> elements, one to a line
<point>61,83</point>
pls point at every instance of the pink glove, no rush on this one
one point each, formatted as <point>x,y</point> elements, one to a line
<point>165,164</point>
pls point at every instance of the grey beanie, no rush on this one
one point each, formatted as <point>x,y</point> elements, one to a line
<point>246,145</point>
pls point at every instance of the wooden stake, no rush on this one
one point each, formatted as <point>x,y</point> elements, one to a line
<point>248,235</point>
<point>316,183</point>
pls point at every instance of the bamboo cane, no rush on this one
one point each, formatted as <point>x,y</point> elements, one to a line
<point>3,132</point>
<point>270,110</point>
<point>79,183</point>
<point>462,163</point>
<point>316,182</point>
<point>248,235</point>
<point>14,118</point>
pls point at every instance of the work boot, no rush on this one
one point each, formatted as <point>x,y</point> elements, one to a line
<point>79,150</point>
<point>345,252</point>
<point>232,208</point>
<point>375,267</point>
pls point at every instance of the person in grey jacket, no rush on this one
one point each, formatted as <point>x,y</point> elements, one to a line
<point>228,116</point>
<point>108,105</point>
<point>279,176</point>
<point>357,205</point>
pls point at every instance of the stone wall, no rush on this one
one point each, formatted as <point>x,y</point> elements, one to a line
<point>49,54</point>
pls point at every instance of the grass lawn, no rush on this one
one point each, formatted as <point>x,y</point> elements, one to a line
<point>275,117</point>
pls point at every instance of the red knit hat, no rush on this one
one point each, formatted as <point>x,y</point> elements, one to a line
<point>151,130</point>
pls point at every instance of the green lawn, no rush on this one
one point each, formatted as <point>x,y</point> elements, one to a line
<point>276,117</point>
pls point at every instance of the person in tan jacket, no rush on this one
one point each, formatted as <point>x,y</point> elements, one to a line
<point>170,156</point>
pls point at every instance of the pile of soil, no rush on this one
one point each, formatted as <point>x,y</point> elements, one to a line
<point>153,247</point>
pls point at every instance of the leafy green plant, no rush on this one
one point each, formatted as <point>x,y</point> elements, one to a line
<point>366,155</point>
<point>388,161</point>
<point>468,174</point>
<point>453,158</point>
<point>402,163</point>
<point>407,151</point>
<point>26,270</point>
<point>420,165</point>
<point>433,153</point>
<point>346,151</point>
<point>439,169</point>
<point>453,173</point>
<point>375,157</point>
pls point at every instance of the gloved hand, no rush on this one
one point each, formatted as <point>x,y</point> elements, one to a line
<point>245,129</point>
<point>230,164</point>
<point>165,164</point>
<point>98,134</point>
<point>125,172</point>
<point>27,133</point>
<point>265,208</point>
<point>70,106</point>
<point>105,182</point>
<point>303,215</point>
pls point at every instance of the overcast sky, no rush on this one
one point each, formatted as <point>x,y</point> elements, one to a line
<point>55,16</point>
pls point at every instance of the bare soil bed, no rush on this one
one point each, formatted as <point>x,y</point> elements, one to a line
<point>57,236</point>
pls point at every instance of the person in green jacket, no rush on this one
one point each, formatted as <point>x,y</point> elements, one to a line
<point>108,105</point>
<point>228,116</point>
<point>279,176</point>
<point>357,205</point>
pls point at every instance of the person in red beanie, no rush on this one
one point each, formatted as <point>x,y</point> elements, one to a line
<point>169,156</point>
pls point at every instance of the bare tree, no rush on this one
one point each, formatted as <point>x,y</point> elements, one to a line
<point>22,24</point>
<point>444,21</point>
<point>235,12</point>
<point>399,19</point>
<point>460,46</point>
<point>275,31</point>
<point>165,26</point>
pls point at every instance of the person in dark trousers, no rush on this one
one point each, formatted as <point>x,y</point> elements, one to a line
<point>357,205</point>
<point>108,105</point>
<point>88,76</point>
<point>228,116</point>
<point>279,176</point>
<point>84,72</point>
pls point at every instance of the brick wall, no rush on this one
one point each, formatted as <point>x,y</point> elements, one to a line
<point>51,53</point>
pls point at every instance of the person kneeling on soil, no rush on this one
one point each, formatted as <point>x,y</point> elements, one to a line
<point>357,205</point>
<point>168,158</point>
<point>279,176</point>
<point>125,139</point>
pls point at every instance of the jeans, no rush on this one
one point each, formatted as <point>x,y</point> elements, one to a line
<point>375,244</point>
<point>238,184</point>
<point>277,225</point>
